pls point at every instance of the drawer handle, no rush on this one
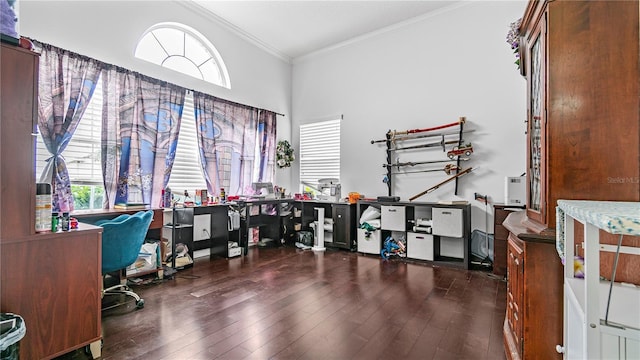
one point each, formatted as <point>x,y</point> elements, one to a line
<point>420,237</point>
<point>392,210</point>
<point>516,261</point>
<point>446,213</point>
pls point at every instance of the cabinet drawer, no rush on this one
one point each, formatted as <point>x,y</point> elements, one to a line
<point>420,246</point>
<point>452,247</point>
<point>447,222</point>
<point>369,244</point>
<point>393,217</point>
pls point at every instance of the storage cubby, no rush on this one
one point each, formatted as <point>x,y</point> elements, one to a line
<point>432,232</point>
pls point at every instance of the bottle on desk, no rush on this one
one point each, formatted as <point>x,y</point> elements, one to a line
<point>223,196</point>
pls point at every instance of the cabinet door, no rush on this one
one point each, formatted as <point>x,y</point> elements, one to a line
<point>18,114</point>
<point>515,291</point>
<point>536,124</point>
<point>341,225</point>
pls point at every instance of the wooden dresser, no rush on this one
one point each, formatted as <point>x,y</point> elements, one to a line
<point>52,280</point>
<point>580,60</point>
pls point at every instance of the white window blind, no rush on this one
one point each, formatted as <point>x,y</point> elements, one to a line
<point>82,154</point>
<point>187,171</point>
<point>320,151</point>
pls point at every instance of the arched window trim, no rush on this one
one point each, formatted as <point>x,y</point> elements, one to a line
<point>215,55</point>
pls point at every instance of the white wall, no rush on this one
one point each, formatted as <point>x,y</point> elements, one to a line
<point>453,63</point>
<point>450,64</point>
<point>109,31</point>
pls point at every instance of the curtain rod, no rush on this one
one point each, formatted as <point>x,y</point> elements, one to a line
<point>38,47</point>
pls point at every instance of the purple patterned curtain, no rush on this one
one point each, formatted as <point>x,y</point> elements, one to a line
<point>231,139</point>
<point>141,120</point>
<point>65,85</point>
<point>267,145</point>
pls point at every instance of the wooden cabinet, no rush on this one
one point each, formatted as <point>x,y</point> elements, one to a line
<point>581,63</point>
<point>61,312</point>
<point>533,320</point>
<point>583,110</point>
<point>515,262</point>
<point>500,235</point>
<point>18,113</point>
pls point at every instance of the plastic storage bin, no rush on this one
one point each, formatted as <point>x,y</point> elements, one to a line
<point>12,330</point>
<point>371,244</point>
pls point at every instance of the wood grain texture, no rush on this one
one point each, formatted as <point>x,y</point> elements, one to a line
<point>53,281</point>
<point>285,303</point>
<point>18,115</point>
<point>591,92</point>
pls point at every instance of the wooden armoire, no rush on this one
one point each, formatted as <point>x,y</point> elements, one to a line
<point>53,280</point>
<point>580,61</point>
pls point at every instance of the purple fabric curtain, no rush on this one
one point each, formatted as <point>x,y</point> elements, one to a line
<point>65,85</point>
<point>141,120</point>
<point>267,145</point>
<point>232,138</point>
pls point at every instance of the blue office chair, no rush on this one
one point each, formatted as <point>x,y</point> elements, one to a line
<point>122,239</point>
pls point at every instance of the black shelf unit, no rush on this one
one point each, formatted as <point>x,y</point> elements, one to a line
<point>343,214</point>
<point>425,209</point>
<point>270,216</point>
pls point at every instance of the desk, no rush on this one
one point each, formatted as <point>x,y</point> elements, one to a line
<point>154,232</point>
<point>260,214</point>
<point>93,215</point>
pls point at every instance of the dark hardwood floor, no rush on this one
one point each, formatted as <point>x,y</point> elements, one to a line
<point>286,303</point>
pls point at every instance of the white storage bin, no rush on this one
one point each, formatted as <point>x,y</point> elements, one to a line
<point>447,222</point>
<point>393,217</point>
<point>235,251</point>
<point>371,244</point>
<point>452,247</point>
<point>420,246</point>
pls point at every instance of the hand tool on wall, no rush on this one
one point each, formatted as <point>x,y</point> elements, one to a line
<point>434,187</point>
<point>414,163</point>
<point>442,144</point>
<point>448,169</point>
<point>424,136</point>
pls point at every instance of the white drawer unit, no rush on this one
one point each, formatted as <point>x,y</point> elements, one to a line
<point>393,217</point>
<point>447,222</point>
<point>420,246</point>
<point>371,244</point>
<point>452,247</point>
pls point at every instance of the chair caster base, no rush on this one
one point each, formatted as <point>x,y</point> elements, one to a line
<point>140,304</point>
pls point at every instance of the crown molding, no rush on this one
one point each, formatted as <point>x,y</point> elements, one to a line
<point>387,29</point>
<point>208,15</point>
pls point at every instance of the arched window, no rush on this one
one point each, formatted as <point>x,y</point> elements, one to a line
<point>181,48</point>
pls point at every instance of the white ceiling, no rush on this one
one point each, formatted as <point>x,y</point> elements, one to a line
<point>291,29</point>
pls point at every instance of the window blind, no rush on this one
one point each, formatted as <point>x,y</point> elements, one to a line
<point>186,173</point>
<point>82,154</point>
<point>320,151</point>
